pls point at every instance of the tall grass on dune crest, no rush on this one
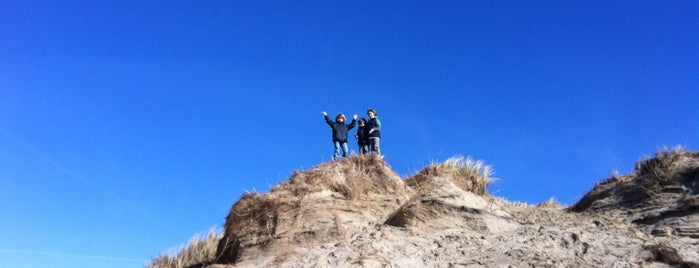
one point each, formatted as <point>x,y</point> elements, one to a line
<point>663,165</point>
<point>666,162</point>
<point>200,251</point>
<point>351,177</point>
<point>648,179</point>
<point>467,173</point>
<point>258,218</point>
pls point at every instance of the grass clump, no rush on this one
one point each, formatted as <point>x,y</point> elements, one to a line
<point>466,173</point>
<point>666,163</point>
<point>199,252</point>
<point>551,203</point>
<point>351,177</point>
<point>256,220</point>
<point>670,166</point>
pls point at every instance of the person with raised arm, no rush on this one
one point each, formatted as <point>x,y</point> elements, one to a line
<point>339,133</point>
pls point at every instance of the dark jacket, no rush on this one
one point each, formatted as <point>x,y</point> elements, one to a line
<point>375,124</point>
<point>340,129</point>
<point>362,135</point>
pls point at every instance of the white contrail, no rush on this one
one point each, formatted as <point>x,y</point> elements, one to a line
<point>71,255</point>
<point>101,190</point>
<point>89,183</point>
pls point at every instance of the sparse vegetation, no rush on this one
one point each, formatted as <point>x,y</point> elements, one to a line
<point>665,163</point>
<point>355,178</point>
<point>361,201</point>
<point>468,174</point>
<point>668,164</point>
<point>662,165</point>
<point>350,177</point>
<point>551,203</point>
<point>200,251</point>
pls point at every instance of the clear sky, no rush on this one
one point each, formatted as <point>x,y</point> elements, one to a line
<point>126,127</point>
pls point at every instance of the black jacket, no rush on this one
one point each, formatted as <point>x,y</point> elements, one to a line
<point>362,135</point>
<point>340,129</point>
<point>375,124</point>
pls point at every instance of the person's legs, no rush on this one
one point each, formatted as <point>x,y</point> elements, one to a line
<point>345,149</point>
<point>376,144</point>
<point>336,153</point>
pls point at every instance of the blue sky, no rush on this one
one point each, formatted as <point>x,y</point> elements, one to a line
<point>126,127</point>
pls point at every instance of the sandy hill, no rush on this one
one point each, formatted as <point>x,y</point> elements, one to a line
<point>357,212</point>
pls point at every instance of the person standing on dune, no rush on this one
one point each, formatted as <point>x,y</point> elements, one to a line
<point>340,130</point>
<point>373,127</point>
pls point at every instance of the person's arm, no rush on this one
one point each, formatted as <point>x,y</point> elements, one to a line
<point>327,119</point>
<point>351,125</point>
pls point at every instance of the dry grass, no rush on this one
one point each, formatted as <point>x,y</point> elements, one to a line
<point>258,216</point>
<point>551,203</point>
<point>664,165</point>
<point>254,215</point>
<point>351,177</point>
<point>667,166</point>
<point>667,162</point>
<point>200,251</point>
<point>252,209</point>
<point>466,173</point>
